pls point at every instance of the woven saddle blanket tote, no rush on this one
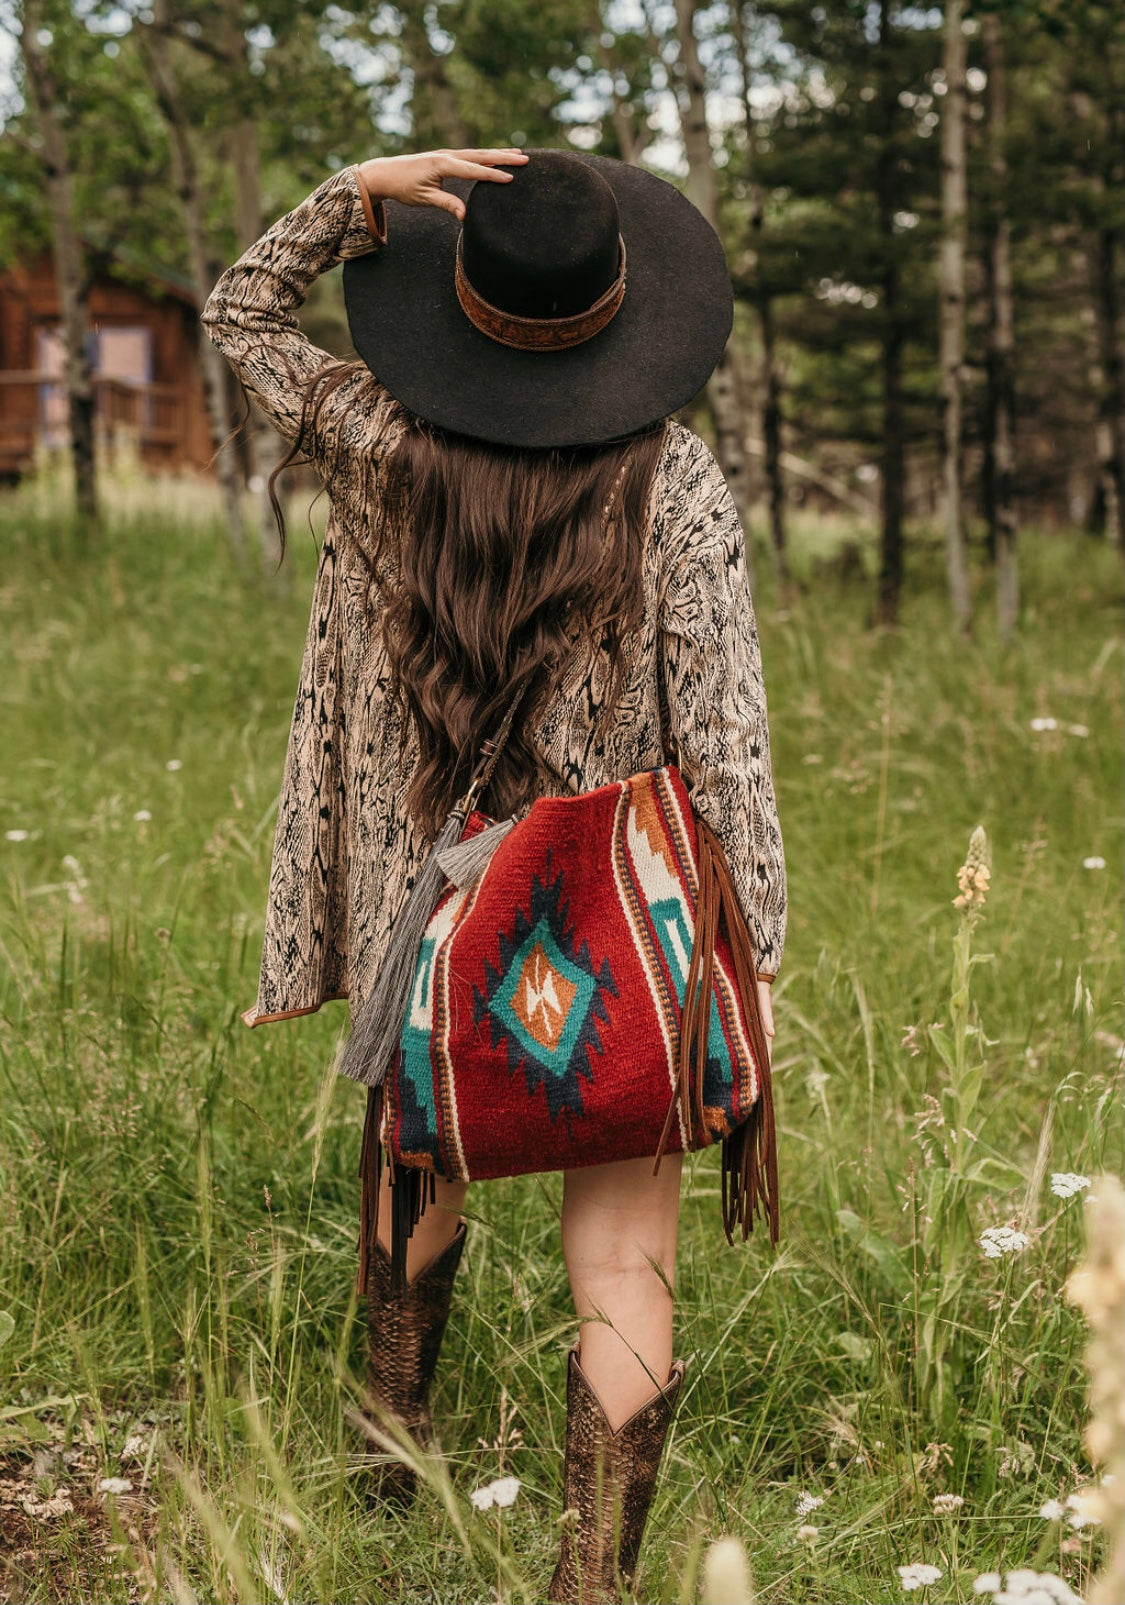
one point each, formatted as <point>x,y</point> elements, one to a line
<point>544,1034</point>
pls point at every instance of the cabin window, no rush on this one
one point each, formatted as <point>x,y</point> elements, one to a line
<point>120,355</point>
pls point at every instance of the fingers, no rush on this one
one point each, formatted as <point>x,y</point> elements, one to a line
<point>447,203</point>
<point>510,154</point>
<point>455,167</point>
<point>766,1003</point>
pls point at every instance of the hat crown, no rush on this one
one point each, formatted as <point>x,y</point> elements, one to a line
<point>545,245</point>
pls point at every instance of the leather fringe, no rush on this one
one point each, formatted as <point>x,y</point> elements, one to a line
<point>749,1153</point>
<point>411,1190</point>
<point>370,1176</point>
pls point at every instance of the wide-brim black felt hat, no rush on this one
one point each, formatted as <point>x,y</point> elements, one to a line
<point>489,334</point>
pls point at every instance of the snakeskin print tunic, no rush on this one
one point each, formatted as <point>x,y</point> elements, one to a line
<point>345,851</point>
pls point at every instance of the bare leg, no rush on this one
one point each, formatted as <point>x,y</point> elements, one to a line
<point>434,1232</point>
<point>619,1221</point>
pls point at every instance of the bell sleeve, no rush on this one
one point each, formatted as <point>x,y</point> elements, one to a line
<point>716,694</point>
<point>251,314</point>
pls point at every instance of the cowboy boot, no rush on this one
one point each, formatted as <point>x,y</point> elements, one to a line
<point>404,1331</point>
<point>608,1480</point>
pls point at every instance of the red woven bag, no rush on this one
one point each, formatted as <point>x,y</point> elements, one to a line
<point>582,990</point>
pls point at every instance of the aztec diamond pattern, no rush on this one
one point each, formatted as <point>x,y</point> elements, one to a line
<point>544,1000</point>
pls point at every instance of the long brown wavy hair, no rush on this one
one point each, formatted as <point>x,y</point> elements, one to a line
<point>490,566</point>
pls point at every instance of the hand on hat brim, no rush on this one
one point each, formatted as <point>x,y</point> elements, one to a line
<point>417,180</point>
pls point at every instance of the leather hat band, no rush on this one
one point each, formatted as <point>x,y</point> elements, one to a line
<point>538,334</point>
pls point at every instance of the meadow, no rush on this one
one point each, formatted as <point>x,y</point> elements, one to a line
<point>179,1194</point>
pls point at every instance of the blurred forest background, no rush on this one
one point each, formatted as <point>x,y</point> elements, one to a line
<point>923,211</point>
<point>921,414</point>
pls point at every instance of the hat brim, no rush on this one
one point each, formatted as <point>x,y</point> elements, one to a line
<point>653,356</point>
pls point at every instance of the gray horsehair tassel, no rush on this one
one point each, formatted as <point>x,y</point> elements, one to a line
<point>466,861</point>
<point>376,1032</point>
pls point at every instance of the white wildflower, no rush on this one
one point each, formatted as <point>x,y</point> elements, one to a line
<point>135,1447</point>
<point>807,1533</point>
<point>986,1583</point>
<point>1052,1510</point>
<point>1025,1587</point>
<point>172,765</point>
<point>1045,724</point>
<point>918,1575</point>
<point>142,814</point>
<point>77,882</point>
<point>1094,862</point>
<point>500,1493</point>
<point>946,1504</point>
<point>1064,1183</point>
<point>115,1485</point>
<point>16,835</point>
<point>1000,1240</point>
<point>1078,729</point>
<point>1081,1510</point>
<point>807,1503</point>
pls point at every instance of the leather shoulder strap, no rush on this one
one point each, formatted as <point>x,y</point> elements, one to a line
<point>490,755</point>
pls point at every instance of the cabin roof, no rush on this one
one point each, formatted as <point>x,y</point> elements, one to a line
<point>135,274</point>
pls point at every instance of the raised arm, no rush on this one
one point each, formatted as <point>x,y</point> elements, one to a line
<point>251,314</point>
<point>716,694</point>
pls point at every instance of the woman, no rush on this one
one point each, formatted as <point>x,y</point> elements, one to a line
<point>511,505</point>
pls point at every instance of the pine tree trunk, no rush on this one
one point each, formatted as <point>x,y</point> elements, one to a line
<point>771,436</point>
<point>954,205</point>
<point>1000,463</point>
<point>893,489</point>
<point>68,260</point>
<point>157,52</point>
<point>770,381</point>
<point>1111,390</point>
<point>723,387</point>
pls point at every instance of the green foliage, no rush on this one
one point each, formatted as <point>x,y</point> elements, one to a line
<point>179,1197</point>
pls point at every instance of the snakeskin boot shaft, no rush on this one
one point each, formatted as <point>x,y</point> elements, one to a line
<point>405,1331</point>
<point>609,1478</point>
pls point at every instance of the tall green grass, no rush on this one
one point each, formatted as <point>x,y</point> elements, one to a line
<point>179,1194</point>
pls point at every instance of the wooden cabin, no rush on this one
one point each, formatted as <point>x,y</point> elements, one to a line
<point>145,353</point>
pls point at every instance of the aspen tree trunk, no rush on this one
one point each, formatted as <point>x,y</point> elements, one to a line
<point>631,139</point>
<point>245,161</point>
<point>722,388</point>
<point>771,384</point>
<point>954,204</point>
<point>1000,462</point>
<point>892,488</point>
<point>185,176</point>
<point>68,260</point>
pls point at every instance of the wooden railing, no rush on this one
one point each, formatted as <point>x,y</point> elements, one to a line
<point>33,409</point>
